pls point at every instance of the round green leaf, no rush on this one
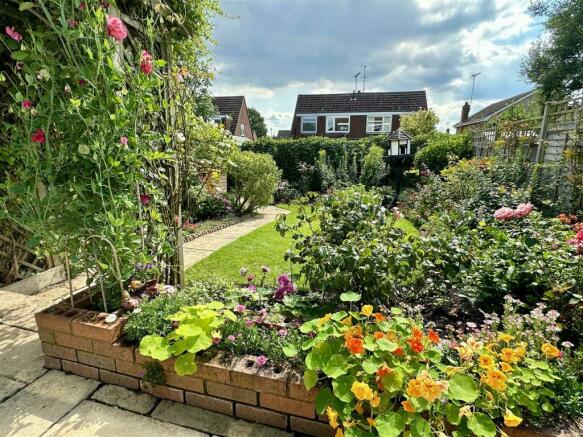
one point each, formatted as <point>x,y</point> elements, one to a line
<point>289,350</point>
<point>185,364</point>
<point>420,428</point>
<point>390,424</point>
<point>350,297</point>
<point>310,379</point>
<point>342,388</point>
<point>482,425</point>
<point>463,388</point>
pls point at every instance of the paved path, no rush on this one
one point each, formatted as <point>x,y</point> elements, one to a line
<point>37,402</point>
<point>202,247</point>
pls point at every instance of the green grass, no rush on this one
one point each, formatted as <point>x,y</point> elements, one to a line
<point>264,246</point>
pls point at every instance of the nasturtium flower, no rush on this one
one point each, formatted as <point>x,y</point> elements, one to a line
<point>371,421</point>
<point>347,321</point>
<point>358,408</point>
<point>376,401</point>
<point>416,345</point>
<point>508,355</point>
<point>433,337</point>
<point>550,351</point>
<point>416,333</point>
<point>379,317</point>
<point>332,417</point>
<point>362,391</point>
<point>486,361</point>
<point>506,367</point>
<point>399,352</point>
<point>408,407</point>
<point>510,419</point>
<point>495,379</point>
<point>367,310</point>
<point>383,370</point>
<point>354,345</point>
<point>423,386</point>
<point>505,337</point>
<point>324,319</point>
<point>339,433</point>
<point>378,335</point>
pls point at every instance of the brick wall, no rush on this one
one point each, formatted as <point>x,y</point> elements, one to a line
<point>78,341</point>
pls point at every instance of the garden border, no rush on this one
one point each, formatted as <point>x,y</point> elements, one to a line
<point>191,237</point>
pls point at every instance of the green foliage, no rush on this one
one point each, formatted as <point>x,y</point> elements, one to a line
<point>442,148</point>
<point>373,166</point>
<point>569,386</point>
<point>154,373</point>
<point>255,178</point>
<point>421,122</point>
<point>257,122</point>
<point>209,207</point>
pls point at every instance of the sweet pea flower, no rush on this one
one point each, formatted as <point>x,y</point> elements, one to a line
<point>239,308</point>
<point>504,213</point>
<point>116,29</point>
<point>231,338</point>
<point>12,33</point>
<point>252,287</point>
<point>523,210</point>
<point>26,104</point>
<point>145,199</point>
<point>146,65</point>
<point>123,140</point>
<point>260,361</point>
<point>38,136</point>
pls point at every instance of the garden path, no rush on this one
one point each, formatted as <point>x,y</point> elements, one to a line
<point>37,402</point>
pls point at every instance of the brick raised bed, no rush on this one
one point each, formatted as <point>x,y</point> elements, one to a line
<point>79,341</point>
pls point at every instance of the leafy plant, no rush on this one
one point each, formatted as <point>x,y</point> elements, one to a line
<point>441,148</point>
<point>154,373</point>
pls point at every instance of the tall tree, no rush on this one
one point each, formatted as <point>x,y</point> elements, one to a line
<point>555,61</point>
<point>257,122</point>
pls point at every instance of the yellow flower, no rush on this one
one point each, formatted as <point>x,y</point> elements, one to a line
<point>550,351</point>
<point>506,367</point>
<point>495,379</point>
<point>339,433</point>
<point>376,401</point>
<point>486,361</point>
<point>358,408</point>
<point>510,419</point>
<point>347,321</point>
<point>506,337</point>
<point>508,355</point>
<point>362,391</point>
<point>367,310</point>
<point>408,407</point>
<point>332,417</point>
<point>324,319</point>
<point>371,421</point>
<point>423,386</point>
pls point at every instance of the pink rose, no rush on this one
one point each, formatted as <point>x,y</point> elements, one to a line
<point>146,65</point>
<point>116,29</point>
<point>12,33</point>
<point>260,361</point>
<point>123,140</point>
<point>523,210</point>
<point>145,199</point>
<point>26,104</point>
<point>38,136</point>
<point>504,213</point>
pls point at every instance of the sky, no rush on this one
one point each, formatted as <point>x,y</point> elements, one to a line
<point>272,50</point>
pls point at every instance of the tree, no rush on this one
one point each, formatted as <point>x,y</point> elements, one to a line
<point>421,122</point>
<point>257,122</point>
<point>555,61</point>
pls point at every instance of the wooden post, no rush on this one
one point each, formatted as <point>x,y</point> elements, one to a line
<point>543,132</point>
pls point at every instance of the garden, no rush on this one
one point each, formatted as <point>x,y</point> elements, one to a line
<point>455,308</point>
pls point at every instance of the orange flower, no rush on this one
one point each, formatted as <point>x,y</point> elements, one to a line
<point>416,333</point>
<point>508,355</point>
<point>384,370</point>
<point>433,337</point>
<point>550,351</point>
<point>376,401</point>
<point>399,352</point>
<point>425,387</point>
<point>408,406</point>
<point>354,345</point>
<point>379,317</point>
<point>416,345</point>
<point>353,331</point>
<point>378,335</point>
<point>506,367</point>
<point>495,379</point>
<point>358,408</point>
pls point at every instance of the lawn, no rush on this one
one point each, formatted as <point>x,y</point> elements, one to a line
<point>264,246</point>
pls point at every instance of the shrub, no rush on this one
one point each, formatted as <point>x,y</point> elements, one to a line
<point>285,193</point>
<point>210,206</point>
<point>421,122</point>
<point>441,148</point>
<point>255,178</point>
<point>373,166</point>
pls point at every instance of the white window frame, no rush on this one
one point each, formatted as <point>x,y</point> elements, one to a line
<point>308,119</point>
<point>242,129</point>
<point>333,119</point>
<point>385,126</point>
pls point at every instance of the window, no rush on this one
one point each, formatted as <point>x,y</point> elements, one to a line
<point>242,130</point>
<point>337,124</point>
<point>378,123</point>
<point>219,120</point>
<point>309,125</point>
<point>403,147</point>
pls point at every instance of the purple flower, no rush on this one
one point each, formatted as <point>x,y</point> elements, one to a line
<point>260,361</point>
<point>139,266</point>
<point>239,308</point>
<point>252,287</point>
<point>285,286</point>
<point>149,266</point>
<point>231,338</point>
<point>282,332</point>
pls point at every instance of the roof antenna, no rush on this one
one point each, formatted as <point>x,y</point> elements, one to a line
<point>364,78</point>
<point>355,85</point>
<point>473,84</point>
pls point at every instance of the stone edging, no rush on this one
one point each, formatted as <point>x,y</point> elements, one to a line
<point>78,341</point>
<point>190,237</point>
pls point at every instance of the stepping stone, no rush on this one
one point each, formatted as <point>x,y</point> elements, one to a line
<point>94,419</point>
<point>21,357</point>
<point>125,398</point>
<point>212,423</point>
<point>35,408</point>
<point>8,387</point>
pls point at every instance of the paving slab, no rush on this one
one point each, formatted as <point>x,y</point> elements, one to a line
<point>8,387</point>
<point>125,398</point>
<point>94,419</point>
<point>21,357</point>
<point>212,423</point>
<point>37,407</point>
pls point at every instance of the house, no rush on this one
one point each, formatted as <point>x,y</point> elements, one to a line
<point>480,118</point>
<point>284,133</point>
<point>232,114</point>
<point>353,115</point>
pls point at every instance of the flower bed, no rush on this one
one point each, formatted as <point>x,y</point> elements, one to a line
<point>78,341</point>
<point>215,228</point>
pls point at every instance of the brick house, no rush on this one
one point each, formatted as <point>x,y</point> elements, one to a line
<point>233,115</point>
<point>353,115</point>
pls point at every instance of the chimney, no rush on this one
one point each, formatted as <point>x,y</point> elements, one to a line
<point>465,112</point>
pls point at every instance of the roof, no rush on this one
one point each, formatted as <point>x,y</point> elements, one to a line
<point>398,101</point>
<point>494,109</point>
<point>284,133</point>
<point>399,134</point>
<point>230,105</point>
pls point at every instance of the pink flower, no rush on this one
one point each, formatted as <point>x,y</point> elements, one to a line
<point>123,140</point>
<point>282,332</point>
<point>72,23</point>
<point>116,29</point>
<point>231,337</point>
<point>146,65</point>
<point>38,136</point>
<point>523,210</point>
<point>12,33</point>
<point>82,6</point>
<point>260,361</point>
<point>26,104</point>
<point>145,199</point>
<point>252,287</point>
<point>504,214</point>
<point>249,322</point>
<point>239,308</point>
<point>82,82</point>
<point>216,340</point>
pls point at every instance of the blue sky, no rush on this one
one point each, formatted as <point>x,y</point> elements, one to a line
<point>272,50</point>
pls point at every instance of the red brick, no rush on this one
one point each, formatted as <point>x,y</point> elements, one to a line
<point>245,374</point>
<point>46,336</point>
<point>209,403</point>
<point>119,379</point>
<point>92,325</point>
<point>52,363</point>
<point>167,365</point>
<point>96,360</point>
<point>115,350</point>
<point>131,369</point>
<point>261,415</point>
<point>229,392</point>
<point>310,427</point>
<point>185,382</point>
<point>80,369</point>
<point>59,352</point>
<point>57,318</point>
<point>214,369</point>
<point>73,342</point>
<point>161,391</point>
<point>297,390</point>
<point>285,405</point>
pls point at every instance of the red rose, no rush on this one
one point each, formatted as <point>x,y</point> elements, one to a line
<point>38,136</point>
